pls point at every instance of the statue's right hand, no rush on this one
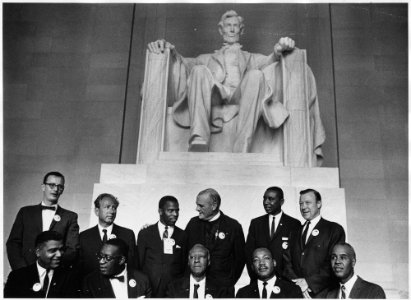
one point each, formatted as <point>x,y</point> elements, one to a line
<point>159,46</point>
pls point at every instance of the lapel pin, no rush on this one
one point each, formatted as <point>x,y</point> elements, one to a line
<point>276,289</point>
<point>37,287</point>
<point>315,232</point>
<point>221,235</point>
<point>132,283</point>
<point>208,296</point>
<point>285,245</point>
<point>57,218</point>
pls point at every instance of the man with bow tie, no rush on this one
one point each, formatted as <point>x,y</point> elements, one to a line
<point>45,278</point>
<point>91,240</point>
<point>228,76</point>
<point>267,285</point>
<point>115,279</point>
<point>48,215</point>
<point>307,259</point>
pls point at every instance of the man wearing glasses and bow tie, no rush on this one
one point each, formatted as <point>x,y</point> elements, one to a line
<point>115,279</point>
<point>34,219</point>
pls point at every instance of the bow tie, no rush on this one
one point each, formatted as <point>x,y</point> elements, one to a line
<point>48,207</point>
<point>120,278</point>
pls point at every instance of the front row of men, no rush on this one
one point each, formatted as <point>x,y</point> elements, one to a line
<point>301,254</point>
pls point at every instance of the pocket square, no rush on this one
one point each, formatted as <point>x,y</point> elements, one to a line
<point>178,247</point>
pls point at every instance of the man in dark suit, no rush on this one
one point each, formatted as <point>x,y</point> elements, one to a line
<point>350,285</point>
<point>162,247</point>
<point>221,235</point>
<point>48,215</point>
<point>115,279</point>
<point>307,259</point>
<point>45,278</point>
<point>91,240</point>
<point>268,284</point>
<point>270,231</point>
<point>196,285</point>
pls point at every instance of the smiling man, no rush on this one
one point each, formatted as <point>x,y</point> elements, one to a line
<point>222,235</point>
<point>162,249</point>
<point>307,259</point>
<point>270,231</point>
<point>34,219</point>
<point>268,284</point>
<point>45,278</point>
<point>105,208</point>
<point>343,260</point>
<point>228,76</point>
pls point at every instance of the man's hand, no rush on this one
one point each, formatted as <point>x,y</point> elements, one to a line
<point>302,283</point>
<point>284,44</point>
<point>159,46</point>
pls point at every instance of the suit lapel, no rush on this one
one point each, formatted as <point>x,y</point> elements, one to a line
<point>132,291</point>
<point>38,218</point>
<point>106,288</point>
<point>243,58</point>
<point>185,288</point>
<point>318,227</point>
<point>59,212</point>
<point>355,291</point>
<point>254,290</point>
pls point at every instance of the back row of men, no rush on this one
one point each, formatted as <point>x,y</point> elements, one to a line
<point>284,258</point>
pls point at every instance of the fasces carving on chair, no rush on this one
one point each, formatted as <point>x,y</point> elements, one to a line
<point>233,85</point>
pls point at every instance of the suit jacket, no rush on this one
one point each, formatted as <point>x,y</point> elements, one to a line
<point>180,288</point>
<point>361,290</point>
<point>29,224</point>
<point>312,261</point>
<point>226,245</point>
<point>95,285</point>
<point>287,290</point>
<point>159,267</point>
<point>64,284</point>
<point>90,244</point>
<point>259,236</point>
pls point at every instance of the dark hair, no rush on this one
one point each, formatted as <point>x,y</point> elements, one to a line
<point>166,199</point>
<point>53,173</point>
<point>102,196</point>
<point>350,249</point>
<point>120,244</point>
<point>316,193</point>
<point>276,190</point>
<point>49,235</point>
<point>213,194</point>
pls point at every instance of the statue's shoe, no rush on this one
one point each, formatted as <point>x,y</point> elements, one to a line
<point>198,145</point>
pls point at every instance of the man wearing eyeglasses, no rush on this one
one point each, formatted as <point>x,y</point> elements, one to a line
<point>34,219</point>
<point>115,279</point>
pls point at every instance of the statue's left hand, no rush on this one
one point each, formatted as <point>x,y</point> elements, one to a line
<point>284,44</point>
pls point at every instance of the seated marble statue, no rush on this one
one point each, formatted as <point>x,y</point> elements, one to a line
<point>205,85</point>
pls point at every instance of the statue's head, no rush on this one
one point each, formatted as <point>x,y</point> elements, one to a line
<point>231,26</point>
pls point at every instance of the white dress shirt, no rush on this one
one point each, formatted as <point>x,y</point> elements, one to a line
<point>162,228</point>
<point>47,215</point>
<point>215,217</point>
<point>276,220</point>
<point>348,286</point>
<point>42,275</point>
<point>313,223</point>
<point>201,288</point>
<point>120,289</point>
<point>109,231</point>
<point>269,287</point>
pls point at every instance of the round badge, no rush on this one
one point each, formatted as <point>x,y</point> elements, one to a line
<point>208,296</point>
<point>132,283</point>
<point>221,235</point>
<point>112,236</point>
<point>276,289</point>
<point>172,242</point>
<point>37,287</point>
<point>57,218</point>
<point>315,232</point>
<point>285,245</point>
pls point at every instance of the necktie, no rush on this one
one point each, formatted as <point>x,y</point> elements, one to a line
<point>46,281</point>
<point>272,229</point>
<point>48,207</point>
<point>264,293</point>
<point>304,237</point>
<point>104,235</point>
<point>195,295</point>
<point>165,233</point>
<point>342,292</point>
<point>119,278</point>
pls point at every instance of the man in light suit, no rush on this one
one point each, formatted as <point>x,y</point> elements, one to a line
<point>221,235</point>
<point>307,259</point>
<point>270,231</point>
<point>162,247</point>
<point>45,278</point>
<point>91,240</point>
<point>115,279</point>
<point>351,286</point>
<point>267,285</point>
<point>228,76</point>
<point>196,285</point>
<point>48,215</point>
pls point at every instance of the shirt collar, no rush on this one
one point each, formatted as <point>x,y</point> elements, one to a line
<point>270,285</point>
<point>109,229</point>
<point>215,217</point>
<point>162,227</point>
<point>315,221</point>
<point>277,216</point>
<point>349,284</point>
<point>53,205</point>
<point>42,270</point>
<point>232,46</point>
<point>193,281</point>
<point>122,273</point>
